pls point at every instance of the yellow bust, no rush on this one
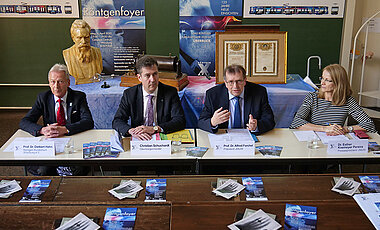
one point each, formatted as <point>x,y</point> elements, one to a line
<point>82,60</point>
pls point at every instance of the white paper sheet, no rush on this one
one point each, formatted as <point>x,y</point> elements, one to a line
<point>305,135</point>
<point>10,147</point>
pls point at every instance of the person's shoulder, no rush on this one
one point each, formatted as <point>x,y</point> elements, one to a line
<point>166,88</point>
<point>217,88</point>
<point>75,92</point>
<point>132,90</point>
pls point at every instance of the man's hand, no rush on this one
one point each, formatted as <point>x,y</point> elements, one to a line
<point>53,130</point>
<point>142,132</point>
<point>220,116</point>
<point>252,123</point>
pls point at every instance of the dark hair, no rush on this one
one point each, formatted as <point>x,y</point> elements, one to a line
<point>145,61</point>
<point>234,69</point>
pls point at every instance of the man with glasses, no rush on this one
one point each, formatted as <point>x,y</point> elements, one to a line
<point>236,104</point>
<point>64,112</point>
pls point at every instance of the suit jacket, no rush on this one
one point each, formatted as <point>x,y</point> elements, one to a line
<point>170,115</point>
<point>255,103</point>
<point>79,116</point>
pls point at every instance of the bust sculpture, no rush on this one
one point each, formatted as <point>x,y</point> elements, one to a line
<point>82,60</point>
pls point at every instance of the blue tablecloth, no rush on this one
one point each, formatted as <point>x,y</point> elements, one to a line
<point>284,99</point>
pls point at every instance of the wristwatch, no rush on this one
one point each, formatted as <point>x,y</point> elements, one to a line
<point>350,129</point>
<point>156,128</point>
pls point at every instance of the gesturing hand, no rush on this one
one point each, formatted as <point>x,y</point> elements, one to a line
<point>220,116</point>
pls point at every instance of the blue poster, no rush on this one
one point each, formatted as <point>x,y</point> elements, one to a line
<point>210,7</point>
<point>118,30</point>
<point>199,20</point>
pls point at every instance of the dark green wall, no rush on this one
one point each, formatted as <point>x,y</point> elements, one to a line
<point>29,47</point>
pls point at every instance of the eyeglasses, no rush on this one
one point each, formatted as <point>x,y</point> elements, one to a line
<point>238,82</point>
<point>324,79</point>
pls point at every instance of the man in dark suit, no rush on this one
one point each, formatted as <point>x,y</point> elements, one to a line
<point>64,112</point>
<point>236,104</point>
<point>150,107</point>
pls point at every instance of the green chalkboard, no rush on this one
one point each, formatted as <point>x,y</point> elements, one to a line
<point>29,47</point>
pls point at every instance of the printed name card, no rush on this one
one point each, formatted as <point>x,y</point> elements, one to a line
<point>349,146</point>
<point>151,147</point>
<point>34,149</point>
<point>233,148</point>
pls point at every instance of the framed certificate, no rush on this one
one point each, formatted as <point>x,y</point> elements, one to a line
<point>262,54</point>
<point>237,52</point>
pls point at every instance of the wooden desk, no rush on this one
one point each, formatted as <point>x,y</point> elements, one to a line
<point>190,203</point>
<point>125,158</point>
<point>197,189</point>
<point>42,217</point>
<point>331,214</point>
<point>293,152</point>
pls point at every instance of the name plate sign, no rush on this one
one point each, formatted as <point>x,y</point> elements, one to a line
<point>349,146</point>
<point>162,148</point>
<point>233,148</point>
<point>34,149</point>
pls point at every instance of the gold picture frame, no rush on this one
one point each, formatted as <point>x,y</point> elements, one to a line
<point>262,54</point>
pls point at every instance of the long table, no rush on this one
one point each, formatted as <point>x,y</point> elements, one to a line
<point>294,152</point>
<point>190,203</point>
<point>76,158</point>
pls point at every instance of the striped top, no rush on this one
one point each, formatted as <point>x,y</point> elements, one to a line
<point>319,111</point>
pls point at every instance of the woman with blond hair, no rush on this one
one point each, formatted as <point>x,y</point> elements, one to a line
<point>326,110</point>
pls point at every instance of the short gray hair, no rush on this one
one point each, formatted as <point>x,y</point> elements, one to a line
<point>234,69</point>
<point>59,68</point>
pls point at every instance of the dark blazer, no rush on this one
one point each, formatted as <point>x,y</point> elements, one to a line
<point>255,103</point>
<point>170,116</point>
<point>79,117</point>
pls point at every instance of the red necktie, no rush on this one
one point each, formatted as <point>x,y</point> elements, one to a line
<point>61,114</point>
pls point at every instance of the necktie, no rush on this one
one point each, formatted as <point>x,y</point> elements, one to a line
<point>61,120</point>
<point>237,114</point>
<point>149,111</point>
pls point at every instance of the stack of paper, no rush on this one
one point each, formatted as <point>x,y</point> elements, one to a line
<point>228,189</point>
<point>126,189</point>
<point>346,186</point>
<point>370,204</point>
<point>80,221</point>
<point>258,220</point>
<point>7,188</point>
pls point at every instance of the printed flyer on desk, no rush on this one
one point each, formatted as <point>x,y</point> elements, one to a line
<point>155,190</point>
<point>35,191</point>
<point>300,217</point>
<point>119,218</point>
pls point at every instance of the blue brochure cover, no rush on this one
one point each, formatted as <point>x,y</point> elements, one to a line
<point>254,188</point>
<point>155,190</point>
<point>300,217</point>
<point>119,218</point>
<point>371,183</point>
<point>35,190</point>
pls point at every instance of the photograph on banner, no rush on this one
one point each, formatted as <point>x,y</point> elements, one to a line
<point>294,9</point>
<point>210,7</point>
<point>197,43</point>
<point>118,30</point>
<point>197,52</point>
<point>39,9</point>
